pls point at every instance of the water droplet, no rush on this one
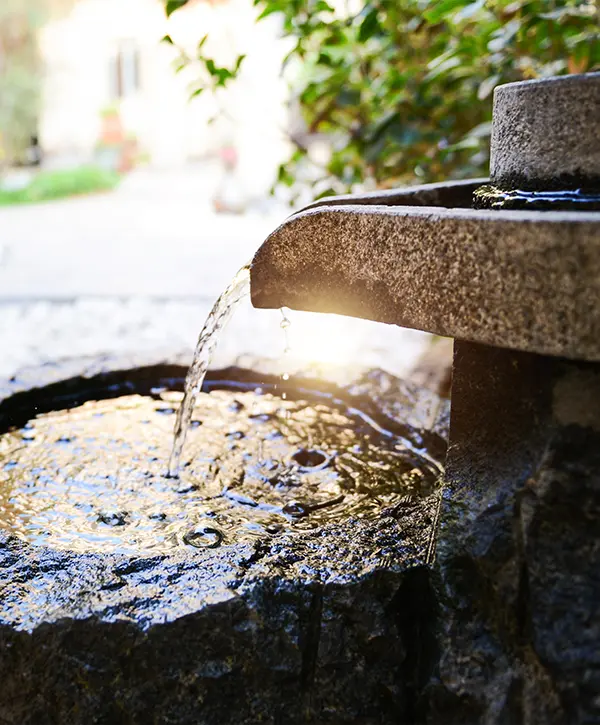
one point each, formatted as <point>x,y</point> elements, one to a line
<point>195,424</point>
<point>273,528</point>
<point>186,488</point>
<point>236,406</point>
<point>274,435</point>
<point>236,435</point>
<point>203,537</point>
<point>241,499</point>
<point>262,417</point>
<point>254,527</point>
<point>285,322</point>
<point>116,582</point>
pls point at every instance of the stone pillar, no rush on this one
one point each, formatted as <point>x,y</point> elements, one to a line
<point>518,558</point>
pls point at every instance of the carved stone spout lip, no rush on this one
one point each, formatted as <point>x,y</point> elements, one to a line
<point>420,258</point>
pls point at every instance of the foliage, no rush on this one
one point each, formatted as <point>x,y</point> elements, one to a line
<point>402,88</point>
<point>49,185</point>
<point>214,76</point>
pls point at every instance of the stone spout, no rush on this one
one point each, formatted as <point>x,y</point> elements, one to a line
<point>423,258</point>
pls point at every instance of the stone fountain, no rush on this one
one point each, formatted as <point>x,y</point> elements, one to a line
<point>518,545</point>
<point>475,602</point>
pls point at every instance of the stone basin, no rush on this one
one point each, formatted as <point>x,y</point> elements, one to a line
<point>332,622</point>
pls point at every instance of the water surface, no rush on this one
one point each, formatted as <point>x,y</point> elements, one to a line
<point>255,464</point>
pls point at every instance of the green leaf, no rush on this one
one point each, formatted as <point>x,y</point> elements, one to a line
<point>482,130</point>
<point>402,90</point>
<point>323,7</point>
<point>469,11</point>
<point>441,8</point>
<point>325,193</point>
<point>168,40</point>
<point>559,14</point>
<point>369,26</point>
<point>269,10</point>
<point>172,5</point>
<point>442,68</point>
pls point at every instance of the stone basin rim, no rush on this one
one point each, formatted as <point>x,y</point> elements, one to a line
<point>485,216</point>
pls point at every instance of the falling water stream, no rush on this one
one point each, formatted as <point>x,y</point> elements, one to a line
<point>209,337</point>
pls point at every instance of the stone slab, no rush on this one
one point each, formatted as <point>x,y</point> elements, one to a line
<point>523,280</point>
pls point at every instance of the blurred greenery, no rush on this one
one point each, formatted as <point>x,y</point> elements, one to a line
<point>402,89</point>
<point>48,185</point>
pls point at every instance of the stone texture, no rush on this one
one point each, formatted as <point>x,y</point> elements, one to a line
<point>518,550</point>
<point>522,280</point>
<point>545,133</point>
<point>327,626</point>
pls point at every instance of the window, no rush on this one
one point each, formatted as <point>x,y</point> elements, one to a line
<point>125,70</point>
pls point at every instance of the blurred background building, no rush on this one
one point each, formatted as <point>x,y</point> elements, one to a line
<point>106,72</point>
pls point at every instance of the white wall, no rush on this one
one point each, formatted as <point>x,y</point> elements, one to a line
<point>77,51</point>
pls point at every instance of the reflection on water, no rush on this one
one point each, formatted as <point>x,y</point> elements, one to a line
<point>255,465</point>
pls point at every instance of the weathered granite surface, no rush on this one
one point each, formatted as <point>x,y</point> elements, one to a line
<point>545,133</point>
<point>521,280</point>
<point>518,551</point>
<point>330,626</point>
